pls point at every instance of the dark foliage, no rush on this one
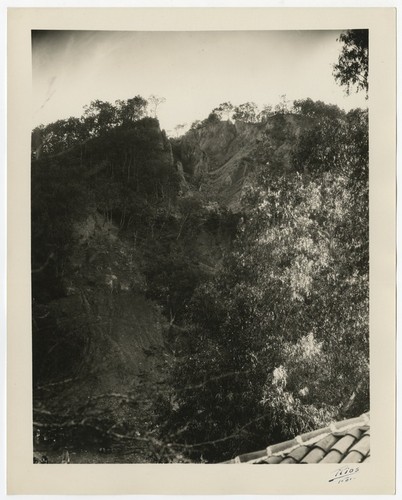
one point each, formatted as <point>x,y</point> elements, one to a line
<point>351,70</point>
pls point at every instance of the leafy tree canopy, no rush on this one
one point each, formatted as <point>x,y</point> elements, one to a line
<point>246,112</point>
<point>351,70</point>
<point>277,343</point>
<point>99,117</point>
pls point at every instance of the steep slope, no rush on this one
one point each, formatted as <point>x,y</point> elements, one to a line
<point>99,350</point>
<point>125,226</point>
<point>220,155</point>
<point>98,339</point>
<point>118,245</point>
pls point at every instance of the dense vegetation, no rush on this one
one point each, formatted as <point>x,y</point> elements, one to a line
<point>114,265</point>
<point>170,326</point>
<point>277,342</point>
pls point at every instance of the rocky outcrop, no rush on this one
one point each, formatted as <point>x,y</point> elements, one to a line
<point>220,155</point>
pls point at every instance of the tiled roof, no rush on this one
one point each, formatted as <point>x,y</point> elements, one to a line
<point>341,442</point>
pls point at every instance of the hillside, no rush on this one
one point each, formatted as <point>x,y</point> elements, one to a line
<point>117,248</point>
<point>182,285</point>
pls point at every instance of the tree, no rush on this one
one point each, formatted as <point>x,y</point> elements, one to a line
<point>246,112</point>
<point>283,106</point>
<point>196,125</point>
<point>308,107</point>
<point>224,110</point>
<point>130,110</point>
<point>58,136</point>
<point>179,127</point>
<point>265,113</point>
<point>100,116</point>
<point>351,70</point>
<point>155,102</point>
<point>37,141</point>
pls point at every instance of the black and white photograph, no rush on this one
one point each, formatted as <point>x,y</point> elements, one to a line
<point>201,251</point>
<point>200,247</point>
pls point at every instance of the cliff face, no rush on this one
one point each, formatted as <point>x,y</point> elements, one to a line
<point>220,155</point>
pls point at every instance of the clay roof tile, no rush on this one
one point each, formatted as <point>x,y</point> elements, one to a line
<point>362,446</point>
<point>281,447</point>
<point>299,453</point>
<point>314,457</point>
<point>356,432</point>
<point>274,460</point>
<point>314,435</point>
<point>347,442</point>
<point>333,457</point>
<point>344,444</point>
<point>289,460</point>
<point>353,457</point>
<point>327,442</point>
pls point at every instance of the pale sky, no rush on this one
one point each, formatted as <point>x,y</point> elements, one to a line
<point>194,71</point>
